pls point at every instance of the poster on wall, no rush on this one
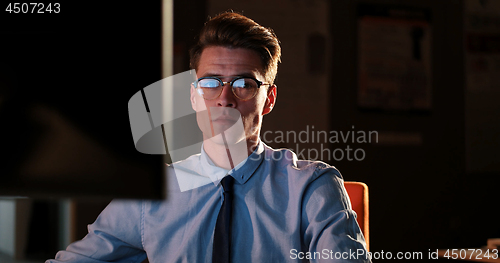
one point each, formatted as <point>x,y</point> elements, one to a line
<point>482,45</point>
<point>394,58</point>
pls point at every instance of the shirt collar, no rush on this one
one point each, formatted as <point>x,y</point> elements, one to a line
<point>241,173</point>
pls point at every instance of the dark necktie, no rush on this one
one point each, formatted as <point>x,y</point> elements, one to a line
<point>222,234</point>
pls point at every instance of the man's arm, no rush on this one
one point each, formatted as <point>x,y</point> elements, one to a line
<point>329,223</point>
<point>115,236</point>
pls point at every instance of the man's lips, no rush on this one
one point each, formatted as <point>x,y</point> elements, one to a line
<point>223,115</point>
<point>225,118</point>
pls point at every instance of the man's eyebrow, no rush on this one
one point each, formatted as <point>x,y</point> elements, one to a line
<point>251,75</point>
<point>209,74</point>
<point>247,75</point>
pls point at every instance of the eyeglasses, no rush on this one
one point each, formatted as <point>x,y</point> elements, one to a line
<point>244,88</point>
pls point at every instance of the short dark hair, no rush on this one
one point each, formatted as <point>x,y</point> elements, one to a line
<point>234,30</point>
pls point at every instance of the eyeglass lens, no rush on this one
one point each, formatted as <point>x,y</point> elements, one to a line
<point>243,88</point>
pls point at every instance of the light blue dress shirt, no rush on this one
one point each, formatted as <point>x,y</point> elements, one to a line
<point>284,210</point>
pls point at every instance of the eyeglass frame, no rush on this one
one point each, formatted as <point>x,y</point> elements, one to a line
<point>223,83</point>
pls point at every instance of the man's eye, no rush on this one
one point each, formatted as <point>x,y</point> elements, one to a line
<point>209,84</point>
<point>243,83</point>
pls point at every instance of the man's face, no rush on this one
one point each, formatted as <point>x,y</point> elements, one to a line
<point>222,113</point>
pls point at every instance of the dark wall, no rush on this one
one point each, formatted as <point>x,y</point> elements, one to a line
<point>421,196</point>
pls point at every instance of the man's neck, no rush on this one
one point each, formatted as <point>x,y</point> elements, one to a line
<point>229,156</point>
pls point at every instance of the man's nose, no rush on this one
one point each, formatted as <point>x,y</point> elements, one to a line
<point>226,98</point>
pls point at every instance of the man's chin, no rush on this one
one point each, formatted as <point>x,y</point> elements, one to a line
<point>225,128</point>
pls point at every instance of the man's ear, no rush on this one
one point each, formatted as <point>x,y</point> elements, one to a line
<point>270,100</point>
<point>193,97</point>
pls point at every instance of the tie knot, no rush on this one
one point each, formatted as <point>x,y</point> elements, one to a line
<point>227,183</point>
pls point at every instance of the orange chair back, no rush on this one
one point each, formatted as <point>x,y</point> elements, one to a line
<point>358,194</point>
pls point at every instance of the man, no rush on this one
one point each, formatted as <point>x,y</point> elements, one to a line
<point>283,209</point>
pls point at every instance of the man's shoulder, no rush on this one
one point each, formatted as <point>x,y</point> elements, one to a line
<point>287,158</point>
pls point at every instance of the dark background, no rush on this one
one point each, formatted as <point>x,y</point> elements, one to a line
<point>81,65</point>
<point>421,197</point>
<point>65,82</point>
